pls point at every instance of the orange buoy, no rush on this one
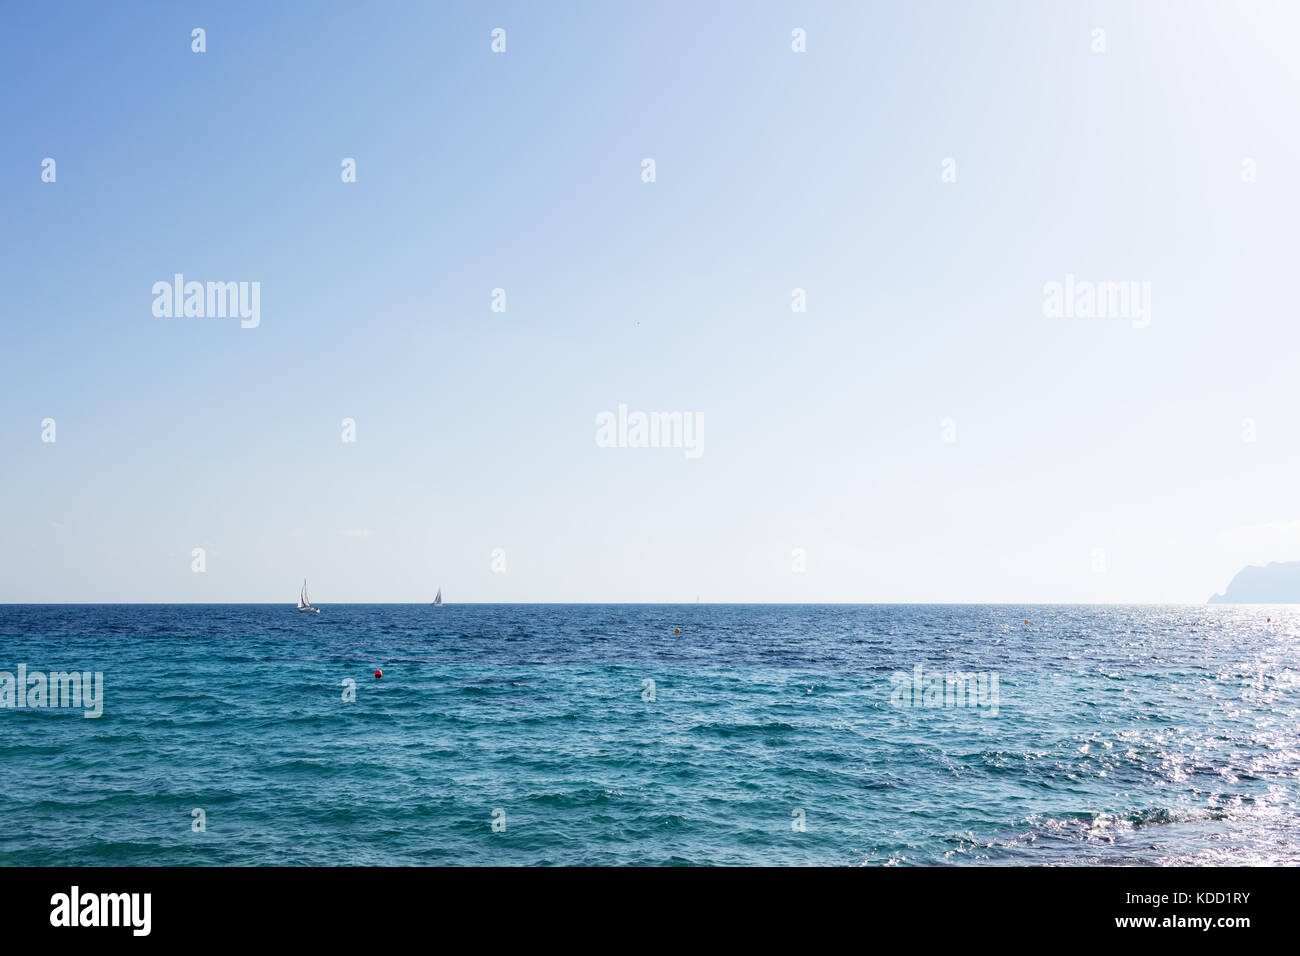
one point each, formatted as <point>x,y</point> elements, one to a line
<point>677,630</point>
<point>378,674</point>
<point>1026,620</point>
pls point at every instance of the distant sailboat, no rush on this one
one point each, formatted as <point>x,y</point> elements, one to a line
<point>304,602</point>
<point>437,601</point>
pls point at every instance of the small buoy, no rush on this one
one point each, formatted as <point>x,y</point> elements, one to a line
<point>1026,620</point>
<point>378,674</point>
<point>677,630</point>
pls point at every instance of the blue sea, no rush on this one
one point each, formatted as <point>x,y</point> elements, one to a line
<point>640,734</point>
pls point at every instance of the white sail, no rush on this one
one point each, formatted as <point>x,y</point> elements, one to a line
<point>304,601</point>
<point>437,601</point>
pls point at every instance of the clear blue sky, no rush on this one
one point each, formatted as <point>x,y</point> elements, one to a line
<point>775,170</point>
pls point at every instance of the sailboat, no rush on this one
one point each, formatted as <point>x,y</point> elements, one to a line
<point>437,601</point>
<point>304,602</point>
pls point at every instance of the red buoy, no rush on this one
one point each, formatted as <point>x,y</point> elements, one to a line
<point>378,674</point>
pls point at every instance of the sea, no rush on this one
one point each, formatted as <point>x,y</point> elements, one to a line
<point>632,734</point>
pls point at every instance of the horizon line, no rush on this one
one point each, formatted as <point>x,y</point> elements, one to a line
<point>657,604</point>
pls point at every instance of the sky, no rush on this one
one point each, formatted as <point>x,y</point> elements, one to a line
<point>925,430</point>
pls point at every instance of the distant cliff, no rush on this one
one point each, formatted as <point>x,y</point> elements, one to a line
<point>1275,583</point>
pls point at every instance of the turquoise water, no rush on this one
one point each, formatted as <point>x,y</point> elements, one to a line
<point>774,735</point>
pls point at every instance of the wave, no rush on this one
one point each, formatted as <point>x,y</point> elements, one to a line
<point>743,730</point>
